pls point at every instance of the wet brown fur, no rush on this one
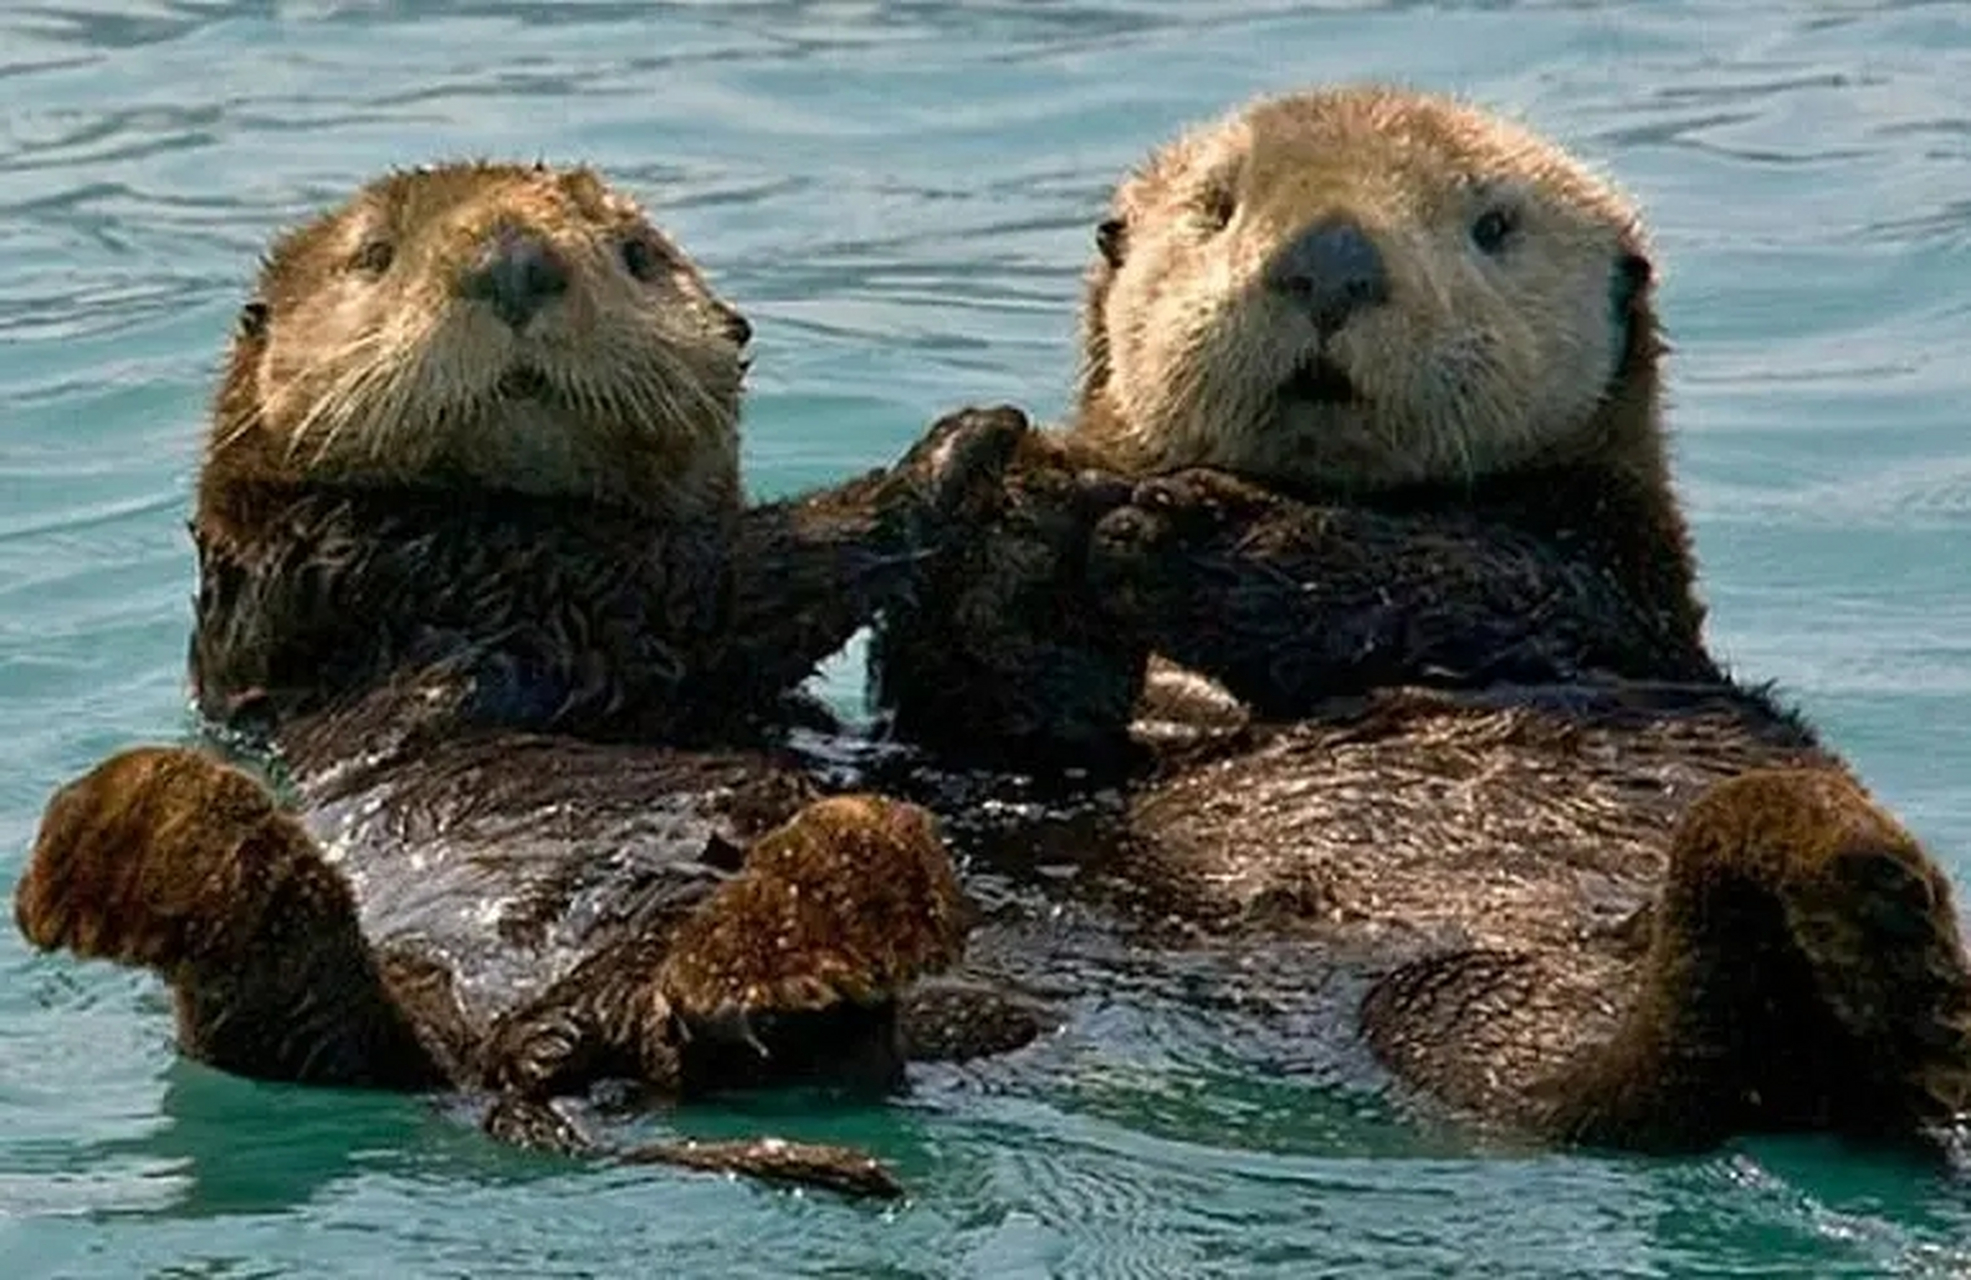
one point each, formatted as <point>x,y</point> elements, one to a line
<point>394,476</point>
<point>1603,892</point>
<point>488,593</point>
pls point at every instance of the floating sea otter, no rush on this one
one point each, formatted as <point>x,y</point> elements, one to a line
<point>473,559</point>
<point>1383,372</point>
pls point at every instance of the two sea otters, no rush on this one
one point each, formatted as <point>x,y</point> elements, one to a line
<point>1368,435</point>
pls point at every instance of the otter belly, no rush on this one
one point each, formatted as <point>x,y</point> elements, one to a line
<point>508,858</point>
<point>1508,823</point>
<point>1525,820</point>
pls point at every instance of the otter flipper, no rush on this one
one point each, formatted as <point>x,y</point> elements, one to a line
<point>849,901</point>
<point>166,859</point>
<point>1804,971</point>
<point>791,970</point>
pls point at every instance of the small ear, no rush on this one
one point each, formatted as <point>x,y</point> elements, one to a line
<point>251,323</point>
<point>1109,239</point>
<point>1632,276</point>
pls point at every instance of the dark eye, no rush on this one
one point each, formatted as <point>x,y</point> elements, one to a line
<point>1491,231</point>
<point>375,257</point>
<point>1218,204</point>
<point>641,259</point>
<point>252,320</point>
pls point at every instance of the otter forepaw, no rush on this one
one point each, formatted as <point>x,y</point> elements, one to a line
<point>959,465</point>
<point>1169,514</point>
<point>850,900</point>
<point>1199,498</point>
<point>161,856</point>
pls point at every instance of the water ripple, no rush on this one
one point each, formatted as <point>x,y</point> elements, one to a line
<point>902,193</point>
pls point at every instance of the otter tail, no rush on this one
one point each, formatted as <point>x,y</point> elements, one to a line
<point>537,1124</point>
<point>166,859</point>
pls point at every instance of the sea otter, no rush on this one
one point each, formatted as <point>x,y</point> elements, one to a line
<point>1379,374</point>
<point>475,566</point>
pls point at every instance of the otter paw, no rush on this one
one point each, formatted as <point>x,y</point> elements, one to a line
<point>959,465</point>
<point>843,1170</point>
<point>851,899</point>
<point>164,856</point>
<point>1202,500</point>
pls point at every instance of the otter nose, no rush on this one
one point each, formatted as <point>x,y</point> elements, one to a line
<point>517,274</point>
<point>1333,270</point>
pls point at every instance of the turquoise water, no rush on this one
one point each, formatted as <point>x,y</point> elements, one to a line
<point>901,194</point>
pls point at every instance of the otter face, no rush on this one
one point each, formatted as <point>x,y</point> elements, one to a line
<point>496,325</point>
<point>1360,288</point>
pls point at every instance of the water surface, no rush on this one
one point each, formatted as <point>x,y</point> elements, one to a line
<point>901,195</point>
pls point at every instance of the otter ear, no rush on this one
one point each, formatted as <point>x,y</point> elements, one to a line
<point>1110,235</point>
<point>1631,277</point>
<point>251,323</point>
<point>737,327</point>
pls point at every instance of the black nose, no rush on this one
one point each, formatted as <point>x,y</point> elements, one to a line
<point>1333,270</point>
<point>517,274</point>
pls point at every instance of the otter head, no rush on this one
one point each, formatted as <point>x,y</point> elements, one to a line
<point>1360,288</point>
<point>487,326</point>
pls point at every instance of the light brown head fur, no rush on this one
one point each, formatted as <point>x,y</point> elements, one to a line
<point>1484,308</point>
<point>486,325</point>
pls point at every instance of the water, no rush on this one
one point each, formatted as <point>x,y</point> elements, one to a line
<point>901,195</point>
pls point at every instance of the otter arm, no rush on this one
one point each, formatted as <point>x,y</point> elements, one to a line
<point>562,614</point>
<point>1804,972</point>
<point>1287,604</point>
<point>809,571</point>
<point>1004,654</point>
<point>166,859</point>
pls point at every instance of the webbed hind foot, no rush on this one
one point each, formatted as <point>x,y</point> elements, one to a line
<point>849,901</point>
<point>164,858</point>
<point>1806,972</point>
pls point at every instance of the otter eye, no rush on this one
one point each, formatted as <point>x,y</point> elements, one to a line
<point>1491,231</point>
<point>641,258</point>
<point>374,258</point>
<point>1217,205</point>
<point>252,320</point>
